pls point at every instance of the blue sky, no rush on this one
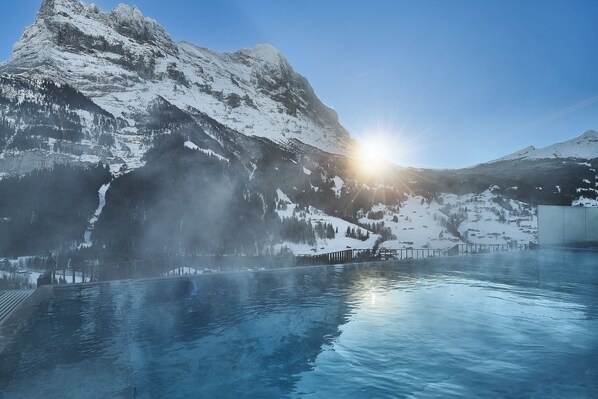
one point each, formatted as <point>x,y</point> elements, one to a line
<point>454,82</point>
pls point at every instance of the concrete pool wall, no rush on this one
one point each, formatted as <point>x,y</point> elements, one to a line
<point>561,225</point>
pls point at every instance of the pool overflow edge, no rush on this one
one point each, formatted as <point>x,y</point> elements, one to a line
<point>208,264</point>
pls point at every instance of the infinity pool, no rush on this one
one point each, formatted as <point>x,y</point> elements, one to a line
<point>507,325</point>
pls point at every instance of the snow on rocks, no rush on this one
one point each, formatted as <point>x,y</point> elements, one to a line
<point>338,185</point>
<point>189,144</point>
<point>585,202</point>
<point>101,204</point>
<point>585,146</point>
<point>123,61</point>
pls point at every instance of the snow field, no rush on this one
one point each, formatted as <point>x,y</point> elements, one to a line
<point>418,223</point>
<point>338,243</point>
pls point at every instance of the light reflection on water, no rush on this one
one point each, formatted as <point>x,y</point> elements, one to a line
<point>511,325</point>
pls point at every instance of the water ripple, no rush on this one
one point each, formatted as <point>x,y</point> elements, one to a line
<point>516,325</point>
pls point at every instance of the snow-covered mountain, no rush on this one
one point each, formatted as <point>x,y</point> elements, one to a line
<point>43,123</point>
<point>124,62</point>
<point>118,141</point>
<point>584,146</point>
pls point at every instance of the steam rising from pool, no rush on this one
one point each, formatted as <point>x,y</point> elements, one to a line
<point>508,325</point>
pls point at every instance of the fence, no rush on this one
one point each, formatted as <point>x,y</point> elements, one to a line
<point>94,271</point>
<point>487,248</point>
<point>147,268</point>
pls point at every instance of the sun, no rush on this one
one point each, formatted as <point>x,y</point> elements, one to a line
<point>373,154</point>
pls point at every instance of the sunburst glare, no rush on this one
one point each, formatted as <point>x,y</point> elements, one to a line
<point>375,152</point>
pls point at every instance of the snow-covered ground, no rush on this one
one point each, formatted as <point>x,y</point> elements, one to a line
<point>68,276</point>
<point>449,219</point>
<point>192,146</point>
<point>585,202</point>
<point>30,275</point>
<point>418,223</point>
<point>338,243</point>
<point>101,203</point>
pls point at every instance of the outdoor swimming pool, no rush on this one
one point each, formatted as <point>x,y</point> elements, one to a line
<point>501,325</point>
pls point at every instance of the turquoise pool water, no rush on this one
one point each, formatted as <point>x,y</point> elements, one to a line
<point>502,325</point>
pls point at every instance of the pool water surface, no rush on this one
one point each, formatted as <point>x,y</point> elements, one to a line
<point>500,325</point>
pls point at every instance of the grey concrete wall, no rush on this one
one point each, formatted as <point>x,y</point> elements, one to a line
<point>558,225</point>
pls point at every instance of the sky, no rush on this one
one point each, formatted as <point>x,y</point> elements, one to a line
<point>451,83</point>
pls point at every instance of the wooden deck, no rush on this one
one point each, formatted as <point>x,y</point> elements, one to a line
<point>10,300</point>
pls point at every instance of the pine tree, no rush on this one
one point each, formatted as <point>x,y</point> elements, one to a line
<point>329,232</point>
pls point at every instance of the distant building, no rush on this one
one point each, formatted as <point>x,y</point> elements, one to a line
<point>566,225</point>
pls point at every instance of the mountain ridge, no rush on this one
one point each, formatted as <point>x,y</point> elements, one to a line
<point>193,151</point>
<point>584,146</point>
<point>122,60</point>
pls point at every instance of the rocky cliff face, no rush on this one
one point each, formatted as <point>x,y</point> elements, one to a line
<point>124,61</point>
<point>43,123</point>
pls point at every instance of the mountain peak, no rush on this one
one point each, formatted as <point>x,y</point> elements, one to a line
<point>589,135</point>
<point>50,8</point>
<point>130,22</point>
<point>267,53</point>
<point>89,20</point>
<point>126,9</point>
<point>584,146</point>
<point>122,60</point>
<point>66,27</point>
<point>131,14</point>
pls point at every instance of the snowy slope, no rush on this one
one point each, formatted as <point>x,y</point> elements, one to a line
<point>584,146</point>
<point>484,218</point>
<point>137,85</point>
<point>338,243</point>
<point>192,146</point>
<point>124,61</point>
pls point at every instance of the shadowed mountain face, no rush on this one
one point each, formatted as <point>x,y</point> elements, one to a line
<point>535,181</point>
<point>202,149</point>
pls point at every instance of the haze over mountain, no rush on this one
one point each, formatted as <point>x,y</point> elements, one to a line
<point>117,141</point>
